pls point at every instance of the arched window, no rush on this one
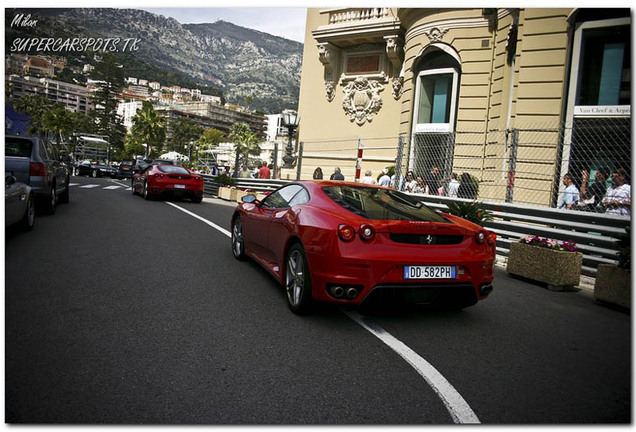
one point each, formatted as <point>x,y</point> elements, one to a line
<point>437,76</point>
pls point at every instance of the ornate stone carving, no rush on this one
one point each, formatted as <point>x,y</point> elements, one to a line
<point>394,50</point>
<point>435,34</point>
<point>398,86</point>
<point>331,90</point>
<point>362,99</point>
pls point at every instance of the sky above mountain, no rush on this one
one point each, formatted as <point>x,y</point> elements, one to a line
<point>287,22</point>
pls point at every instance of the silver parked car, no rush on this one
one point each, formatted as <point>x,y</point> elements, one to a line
<point>19,205</point>
<point>37,163</point>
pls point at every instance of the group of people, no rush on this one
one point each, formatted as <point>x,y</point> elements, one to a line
<point>431,183</point>
<point>614,200</point>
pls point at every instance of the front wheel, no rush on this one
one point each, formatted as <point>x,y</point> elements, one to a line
<point>94,174</point>
<point>238,246</point>
<point>297,280</point>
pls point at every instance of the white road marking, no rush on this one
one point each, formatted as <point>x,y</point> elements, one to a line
<point>122,184</point>
<point>73,184</point>
<point>457,407</point>
<point>213,225</point>
<point>113,187</point>
<point>89,186</point>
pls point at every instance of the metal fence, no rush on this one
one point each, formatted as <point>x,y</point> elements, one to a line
<point>517,165</point>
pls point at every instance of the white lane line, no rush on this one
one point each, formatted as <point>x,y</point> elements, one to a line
<point>113,187</point>
<point>73,184</point>
<point>89,186</point>
<point>122,184</point>
<point>458,408</point>
<point>196,216</point>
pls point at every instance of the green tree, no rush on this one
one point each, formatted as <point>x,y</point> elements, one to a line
<point>110,81</point>
<point>58,121</point>
<point>183,131</point>
<point>148,128</point>
<point>132,147</point>
<point>34,107</point>
<point>245,144</point>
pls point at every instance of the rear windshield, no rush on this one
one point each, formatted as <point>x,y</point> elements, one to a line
<point>381,204</point>
<point>18,147</point>
<point>172,169</point>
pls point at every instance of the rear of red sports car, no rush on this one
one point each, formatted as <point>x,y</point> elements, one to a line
<point>175,180</point>
<point>389,247</point>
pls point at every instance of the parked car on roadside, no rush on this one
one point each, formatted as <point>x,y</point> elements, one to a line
<point>157,180</point>
<point>37,163</point>
<point>19,205</point>
<point>353,244</point>
<point>95,170</point>
<point>126,169</point>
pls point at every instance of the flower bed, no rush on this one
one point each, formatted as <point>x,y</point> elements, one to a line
<point>556,263</point>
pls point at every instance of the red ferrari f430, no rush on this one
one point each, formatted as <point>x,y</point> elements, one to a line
<point>352,244</point>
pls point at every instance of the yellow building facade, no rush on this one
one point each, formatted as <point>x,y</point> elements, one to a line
<point>506,95</point>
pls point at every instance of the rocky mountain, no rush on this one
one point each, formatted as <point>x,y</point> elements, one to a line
<point>241,62</point>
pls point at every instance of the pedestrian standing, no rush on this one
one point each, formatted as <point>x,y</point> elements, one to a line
<point>318,173</point>
<point>337,174</point>
<point>618,199</point>
<point>385,180</point>
<point>453,185</point>
<point>591,197</point>
<point>570,194</point>
<point>368,179</point>
<point>433,180</point>
<point>264,172</point>
<point>411,183</point>
<point>466,187</point>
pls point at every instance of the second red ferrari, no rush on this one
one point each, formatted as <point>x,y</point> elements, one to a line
<point>156,180</point>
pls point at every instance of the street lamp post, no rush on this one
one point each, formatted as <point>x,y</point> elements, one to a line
<point>290,121</point>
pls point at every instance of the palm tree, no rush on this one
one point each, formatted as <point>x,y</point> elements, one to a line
<point>245,143</point>
<point>58,121</point>
<point>148,127</point>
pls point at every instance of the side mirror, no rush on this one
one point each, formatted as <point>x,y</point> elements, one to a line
<point>250,199</point>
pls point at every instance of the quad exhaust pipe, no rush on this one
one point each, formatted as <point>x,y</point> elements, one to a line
<point>341,292</point>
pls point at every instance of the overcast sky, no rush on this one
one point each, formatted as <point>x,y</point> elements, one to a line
<point>281,21</point>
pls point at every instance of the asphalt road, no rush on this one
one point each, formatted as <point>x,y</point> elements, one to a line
<point>125,311</point>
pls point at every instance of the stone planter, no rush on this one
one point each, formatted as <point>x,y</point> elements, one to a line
<point>559,269</point>
<point>613,285</point>
<point>225,192</point>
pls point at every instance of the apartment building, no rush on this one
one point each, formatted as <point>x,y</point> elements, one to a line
<point>516,97</point>
<point>73,97</point>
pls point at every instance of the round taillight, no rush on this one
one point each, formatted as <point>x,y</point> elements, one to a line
<point>366,232</point>
<point>480,237</point>
<point>346,232</point>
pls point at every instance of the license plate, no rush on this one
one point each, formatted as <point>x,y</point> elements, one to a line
<point>430,272</point>
<point>179,186</point>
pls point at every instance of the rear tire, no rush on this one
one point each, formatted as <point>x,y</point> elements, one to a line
<point>28,221</point>
<point>297,280</point>
<point>196,199</point>
<point>145,193</point>
<point>65,196</point>
<point>50,204</point>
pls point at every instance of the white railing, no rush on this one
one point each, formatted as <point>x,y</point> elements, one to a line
<point>357,14</point>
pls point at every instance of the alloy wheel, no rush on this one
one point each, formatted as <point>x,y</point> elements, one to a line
<point>237,239</point>
<point>295,278</point>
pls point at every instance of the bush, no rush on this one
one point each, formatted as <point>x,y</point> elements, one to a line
<point>226,180</point>
<point>471,211</point>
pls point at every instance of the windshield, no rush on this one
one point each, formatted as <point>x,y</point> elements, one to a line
<point>381,204</point>
<point>17,147</point>
<point>172,169</point>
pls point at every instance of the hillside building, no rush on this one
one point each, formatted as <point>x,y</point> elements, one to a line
<point>73,97</point>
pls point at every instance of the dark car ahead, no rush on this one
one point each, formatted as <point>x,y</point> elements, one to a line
<point>126,170</point>
<point>38,163</point>
<point>95,170</point>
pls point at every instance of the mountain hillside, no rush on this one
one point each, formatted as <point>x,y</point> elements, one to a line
<point>240,61</point>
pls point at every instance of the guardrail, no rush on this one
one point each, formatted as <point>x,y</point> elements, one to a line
<point>596,235</point>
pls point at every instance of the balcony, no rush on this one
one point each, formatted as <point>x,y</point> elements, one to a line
<point>348,26</point>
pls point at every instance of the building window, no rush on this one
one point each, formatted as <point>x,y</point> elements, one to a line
<point>605,66</point>
<point>435,100</point>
